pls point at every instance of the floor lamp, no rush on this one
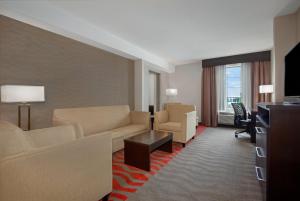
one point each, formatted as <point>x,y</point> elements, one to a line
<point>23,95</point>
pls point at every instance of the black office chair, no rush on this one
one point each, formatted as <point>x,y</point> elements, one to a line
<point>242,120</point>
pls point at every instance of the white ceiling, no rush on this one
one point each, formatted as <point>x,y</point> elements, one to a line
<point>182,31</point>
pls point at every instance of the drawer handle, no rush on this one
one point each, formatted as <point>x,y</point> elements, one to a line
<point>259,130</point>
<point>259,174</point>
<point>260,153</point>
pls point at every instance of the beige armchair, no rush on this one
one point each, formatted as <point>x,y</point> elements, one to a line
<point>54,164</point>
<point>179,119</point>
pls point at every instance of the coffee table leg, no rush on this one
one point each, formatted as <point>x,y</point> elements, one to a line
<point>137,155</point>
<point>167,147</point>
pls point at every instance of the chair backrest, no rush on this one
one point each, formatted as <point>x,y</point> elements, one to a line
<point>166,105</point>
<point>176,111</point>
<point>239,110</point>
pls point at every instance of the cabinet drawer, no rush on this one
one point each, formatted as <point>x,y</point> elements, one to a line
<point>261,148</point>
<point>261,160</point>
<point>261,139</point>
<point>260,175</point>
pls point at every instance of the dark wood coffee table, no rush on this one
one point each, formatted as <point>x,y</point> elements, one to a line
<point>138,148</point>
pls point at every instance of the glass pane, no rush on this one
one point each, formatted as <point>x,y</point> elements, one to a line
<point>233,92</point>
<point>233,71</point>
<point>233,85</point>
<point>233,82</point>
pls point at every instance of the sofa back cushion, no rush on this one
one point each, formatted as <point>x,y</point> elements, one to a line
<point>12,140</point>
<point>176,112</point>
<point>95,119</point>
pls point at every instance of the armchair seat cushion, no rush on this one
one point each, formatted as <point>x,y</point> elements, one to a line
<point>170,126</point>
<point>126,130</point>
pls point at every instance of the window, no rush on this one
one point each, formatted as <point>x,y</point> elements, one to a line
<point>233,85</point>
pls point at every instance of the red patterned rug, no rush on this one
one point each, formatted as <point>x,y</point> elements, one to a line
<point>127,179</point>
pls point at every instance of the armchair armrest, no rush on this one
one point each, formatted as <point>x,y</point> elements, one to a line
<point>78,170</point>
<point>140,118</point>
<point>189,124</point>
<point>51,136</point>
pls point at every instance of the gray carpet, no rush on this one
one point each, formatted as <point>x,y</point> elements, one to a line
<point>213,167</point>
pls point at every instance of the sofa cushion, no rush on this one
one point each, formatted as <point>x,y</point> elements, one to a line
<point>170,126</point>
<point>12,140</point>
<point>126,130</point>
<point>95,119</point>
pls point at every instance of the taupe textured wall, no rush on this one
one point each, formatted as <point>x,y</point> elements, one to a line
<point>285,38</point>
<point>74,74</point>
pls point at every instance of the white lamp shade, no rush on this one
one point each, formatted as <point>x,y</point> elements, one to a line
<point>22,94</point>
<point>171,92</point>
<point>265,89</point>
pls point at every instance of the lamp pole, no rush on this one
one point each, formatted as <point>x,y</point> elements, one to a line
<point>20,106</point>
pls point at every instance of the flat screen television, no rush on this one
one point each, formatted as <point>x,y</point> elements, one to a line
<point>292,75</point>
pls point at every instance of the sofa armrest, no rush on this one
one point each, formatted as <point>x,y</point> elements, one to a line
<point>78,170</point>
<point>51,136</point>
<point>140,118</point>
<point>189,124</point>
<point>160,117</point>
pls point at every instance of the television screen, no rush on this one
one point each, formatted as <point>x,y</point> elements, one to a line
<point>292,72</point>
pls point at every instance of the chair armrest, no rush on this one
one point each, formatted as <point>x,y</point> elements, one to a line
<point>245,120</point>
<point>140,118</point>
<point>189,124</point>
<point>51,136</point>
<point>78,170</point>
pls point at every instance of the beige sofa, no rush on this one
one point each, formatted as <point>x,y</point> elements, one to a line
<point>53,164</point>
<point>179,119</point>
<point>118,121</point>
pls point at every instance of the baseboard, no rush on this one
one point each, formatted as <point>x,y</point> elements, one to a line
<point>200,124</point>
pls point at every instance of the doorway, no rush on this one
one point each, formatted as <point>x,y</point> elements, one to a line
<point>154,90</point>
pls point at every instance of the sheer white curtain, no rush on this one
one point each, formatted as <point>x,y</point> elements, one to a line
<point>221,88</point>
<point>246,95</point>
